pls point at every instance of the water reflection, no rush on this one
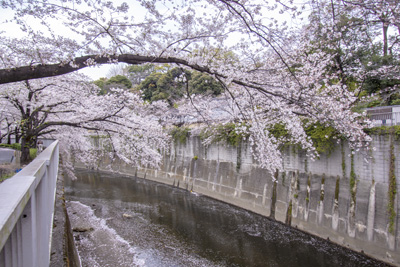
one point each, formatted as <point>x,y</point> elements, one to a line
<point>184,229</point>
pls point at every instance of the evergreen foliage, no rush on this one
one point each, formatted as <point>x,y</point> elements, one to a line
<point>119,79</point>
<point>175,83</point>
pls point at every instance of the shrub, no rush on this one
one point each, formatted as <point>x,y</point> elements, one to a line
<point>227,133</point>
<point>15,146</point>
<point>32,153</point>
<point>179,134</point>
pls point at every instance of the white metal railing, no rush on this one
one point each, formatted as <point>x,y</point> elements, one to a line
<point>27,210</point>
<point>384,116</point>
<point>385,119</point>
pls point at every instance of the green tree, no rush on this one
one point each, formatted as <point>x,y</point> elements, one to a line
<point>137,73</point>
<point>119,80</point>
<point>149,86</point>
<point>175,83</point>
<point>204,84</point>
<point>356,33</point>
<point>169,86</point>
<point>100,83</point>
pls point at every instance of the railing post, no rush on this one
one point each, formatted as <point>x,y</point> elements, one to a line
<point>29,253</point>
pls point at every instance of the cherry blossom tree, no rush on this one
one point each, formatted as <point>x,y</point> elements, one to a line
<point>364,37</point>
<point>281,75</point>
<point>383,14</point>
<point>69,108</point>
<point>8,127</point>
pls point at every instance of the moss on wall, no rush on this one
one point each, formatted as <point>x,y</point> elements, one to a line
<point>343,161</point>
<point>239,155</point>
<point>322,192</point>
<point>353,180</point>
<point>180,134</point>
<point>385,130</point>
<point>273,200</point>
<point>392,190</point>
<point>289,214</point>
<point>306,164</point>
<point>337,189</point>
<point>228,133</point>
<point>308,188</point>
<point>323,136</point>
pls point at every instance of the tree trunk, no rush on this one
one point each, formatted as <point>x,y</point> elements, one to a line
<point>385,38</point>
<point>17,135</point>
<point>25,146</point>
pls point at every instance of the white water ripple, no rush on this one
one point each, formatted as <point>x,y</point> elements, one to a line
<point>100,245</point>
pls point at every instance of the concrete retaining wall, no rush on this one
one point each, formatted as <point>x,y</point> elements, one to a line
<point>312,196</point>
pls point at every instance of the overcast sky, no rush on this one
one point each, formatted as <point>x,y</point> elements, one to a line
<point>96,72</point>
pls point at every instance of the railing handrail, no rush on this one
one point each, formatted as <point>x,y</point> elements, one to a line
<point>387,115</point>
<point>21,204</point>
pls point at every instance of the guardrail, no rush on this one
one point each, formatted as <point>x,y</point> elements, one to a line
<point>26,212</point>
<point>384,116</point>
<point>385,119</point>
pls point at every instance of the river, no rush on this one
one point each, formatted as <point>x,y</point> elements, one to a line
<point>123,221</point>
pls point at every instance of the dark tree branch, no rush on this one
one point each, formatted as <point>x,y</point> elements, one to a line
<point>80,124</point>
<point>51,70</point>
<point>255,29</point>
<point>38,131</point>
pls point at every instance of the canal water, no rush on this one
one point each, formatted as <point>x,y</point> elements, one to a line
<point>123,221</point>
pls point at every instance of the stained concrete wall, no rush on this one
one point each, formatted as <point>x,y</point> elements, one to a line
<point>314,196</point>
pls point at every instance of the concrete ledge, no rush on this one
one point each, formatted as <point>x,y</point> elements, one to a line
<point>63,250</point>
